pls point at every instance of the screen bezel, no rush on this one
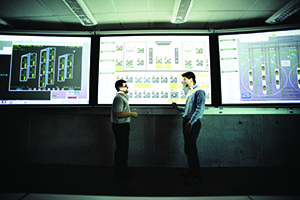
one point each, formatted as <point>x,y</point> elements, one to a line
<point>58,35</point>
<point>154,34</point>
<point>250,104</point>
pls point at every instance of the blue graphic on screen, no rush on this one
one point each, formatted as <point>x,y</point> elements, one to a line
<point>44,70</point>
<point>269,70</point>
<point>260,67</point>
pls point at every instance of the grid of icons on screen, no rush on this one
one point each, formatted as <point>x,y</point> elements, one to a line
<point>46,71</point>
<point>28,67</point>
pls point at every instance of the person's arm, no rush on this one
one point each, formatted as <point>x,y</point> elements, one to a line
<point>126,114</point>
<point>180,108</point>
<point>200,106</point>
<point>118,105</point>
<point>188,128</point>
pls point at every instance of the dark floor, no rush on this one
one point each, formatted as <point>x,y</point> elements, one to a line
<point>95,180</point>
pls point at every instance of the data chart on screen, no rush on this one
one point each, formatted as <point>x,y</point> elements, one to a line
<point>260,67</point>
<point>152,67</point>
<point>44,69</point>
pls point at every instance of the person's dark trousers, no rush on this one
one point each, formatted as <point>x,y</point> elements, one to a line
<point>190,147</point>
<point>121,132</point>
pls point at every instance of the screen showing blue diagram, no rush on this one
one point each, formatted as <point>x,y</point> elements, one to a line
<point>44,70</point>
<point>260,67</point>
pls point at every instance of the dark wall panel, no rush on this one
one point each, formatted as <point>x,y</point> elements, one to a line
<point>84,137</point>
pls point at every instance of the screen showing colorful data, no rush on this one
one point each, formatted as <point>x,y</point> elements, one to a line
<point>44,69</point>
<point>260,67</point>
<point>152,67</point>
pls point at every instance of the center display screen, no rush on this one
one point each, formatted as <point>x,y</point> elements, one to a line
<point>152,67</point>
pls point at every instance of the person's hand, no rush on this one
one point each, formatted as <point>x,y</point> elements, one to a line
<point>174,105</point>
<point>188,128</point>
<point>134,114</point>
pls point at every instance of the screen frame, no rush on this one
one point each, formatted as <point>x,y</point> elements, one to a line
<point>258,104</point>
<point>155,34</point>
<point>215,72</point>
<point>58,35</point>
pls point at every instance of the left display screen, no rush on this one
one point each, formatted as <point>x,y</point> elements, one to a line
<point>44,70</point>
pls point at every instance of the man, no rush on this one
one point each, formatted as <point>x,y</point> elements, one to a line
<point>193,112</point>
<point>120,118</point>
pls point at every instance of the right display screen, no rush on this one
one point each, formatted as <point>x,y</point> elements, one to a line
<point>260,67</point>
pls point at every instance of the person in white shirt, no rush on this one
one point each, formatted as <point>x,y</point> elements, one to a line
<point>120,118</point>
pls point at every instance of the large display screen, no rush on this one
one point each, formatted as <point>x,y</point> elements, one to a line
<point>44,69</point>
<point>260,67</point>
<point>152,67</point>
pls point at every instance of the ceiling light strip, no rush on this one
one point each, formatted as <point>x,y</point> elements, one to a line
<point>81,11</point>
<point>180,11</point>
<point>286,11</point>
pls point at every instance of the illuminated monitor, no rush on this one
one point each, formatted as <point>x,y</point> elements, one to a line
<point>45,70</point>
<point>152,67</point>
<point>260,67</point>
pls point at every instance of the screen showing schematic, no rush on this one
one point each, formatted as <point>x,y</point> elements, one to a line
<point>260,67</point>
<point>152,67</point>
<point>44,70</point>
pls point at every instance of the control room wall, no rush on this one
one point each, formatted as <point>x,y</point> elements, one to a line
<point>84,137</point>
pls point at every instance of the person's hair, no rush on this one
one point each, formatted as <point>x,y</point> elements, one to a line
<point>119,83</point>
<point>189,75</point>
